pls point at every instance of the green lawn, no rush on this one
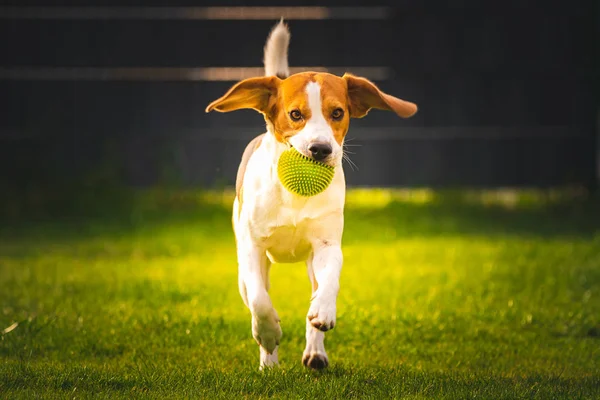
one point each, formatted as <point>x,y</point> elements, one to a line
<point>453,296</point>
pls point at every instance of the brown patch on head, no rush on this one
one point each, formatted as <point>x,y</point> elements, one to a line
<point>290,96</point>
<point>341,98</point>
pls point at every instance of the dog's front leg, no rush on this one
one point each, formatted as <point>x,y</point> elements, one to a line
<point>253,275</point>
<point>326,267</point>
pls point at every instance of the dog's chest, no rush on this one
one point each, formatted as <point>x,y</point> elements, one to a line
<point>284,224</point>
<point>288,243</point>
<point>286,230</point>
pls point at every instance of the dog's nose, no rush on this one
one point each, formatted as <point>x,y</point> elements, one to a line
<point>320,151</point>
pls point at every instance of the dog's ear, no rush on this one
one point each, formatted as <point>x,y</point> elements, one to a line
<point>255,93</point>
<point>364,95</point>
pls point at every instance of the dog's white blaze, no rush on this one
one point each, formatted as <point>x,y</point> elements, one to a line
<point>317,126</point>
<point>316,129</point>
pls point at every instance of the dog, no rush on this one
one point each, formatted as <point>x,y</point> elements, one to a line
<point>310,111</point>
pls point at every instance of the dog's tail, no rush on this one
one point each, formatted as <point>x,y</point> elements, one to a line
<point>276,51</point>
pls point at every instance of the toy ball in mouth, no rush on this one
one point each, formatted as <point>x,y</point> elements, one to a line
<point>302,175</point>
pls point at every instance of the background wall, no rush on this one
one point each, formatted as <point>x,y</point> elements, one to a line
<point>507,92</point>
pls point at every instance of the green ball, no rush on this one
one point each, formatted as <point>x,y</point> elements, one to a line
<point>302,175</point>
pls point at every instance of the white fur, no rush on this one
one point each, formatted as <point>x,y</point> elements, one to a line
<point>276,51</point>
<point>268,360</point>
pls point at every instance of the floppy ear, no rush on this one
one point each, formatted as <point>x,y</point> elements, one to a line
<point>255,93</point>
<point>364,95</point>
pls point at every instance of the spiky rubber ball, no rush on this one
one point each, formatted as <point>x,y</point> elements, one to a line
<point>303,175</point>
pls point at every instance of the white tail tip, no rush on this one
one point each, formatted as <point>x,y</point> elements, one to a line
<point>276,51</point>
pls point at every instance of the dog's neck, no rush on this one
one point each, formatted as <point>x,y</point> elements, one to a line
<point>274,147</point>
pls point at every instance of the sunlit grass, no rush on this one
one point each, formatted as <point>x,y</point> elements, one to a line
<point>457,296</point>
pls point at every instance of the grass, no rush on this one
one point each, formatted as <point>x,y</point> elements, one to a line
<point>455,296</point>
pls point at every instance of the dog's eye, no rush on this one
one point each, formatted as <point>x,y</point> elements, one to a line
<point>295,115</point>
<point>337,114</point>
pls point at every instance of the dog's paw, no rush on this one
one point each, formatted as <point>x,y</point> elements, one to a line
<point>322,315</point>
<point>267,331</point>
<point>315,359</point>
<point>268,360</point>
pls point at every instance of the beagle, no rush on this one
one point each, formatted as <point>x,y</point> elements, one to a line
<point>311,112</point>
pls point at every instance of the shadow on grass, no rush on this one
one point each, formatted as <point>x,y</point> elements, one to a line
<point>576,219</point>
<point>449,213</point>
<point>339,382</point>
<point>116,213</point>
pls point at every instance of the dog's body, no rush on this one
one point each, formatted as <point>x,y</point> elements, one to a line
<point>309,111</point>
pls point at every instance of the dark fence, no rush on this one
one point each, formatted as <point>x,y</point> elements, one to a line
<point>507,92</point>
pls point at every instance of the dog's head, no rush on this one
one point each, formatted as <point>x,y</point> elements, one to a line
<point>311,111</point>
